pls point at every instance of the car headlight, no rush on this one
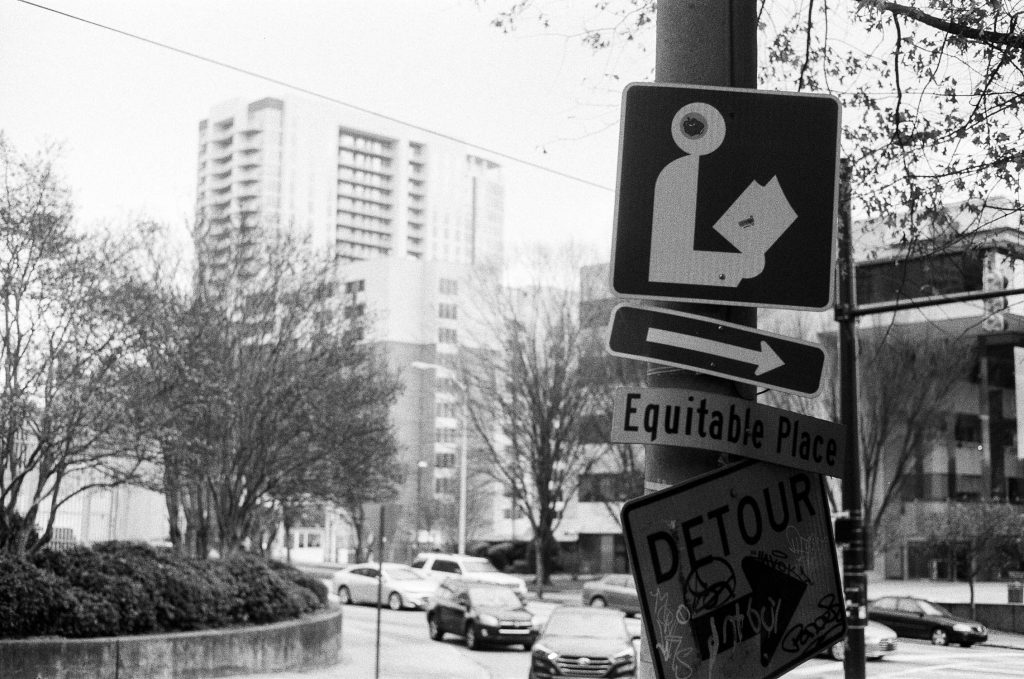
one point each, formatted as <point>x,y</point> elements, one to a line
<point>542,652</point>
<point>624,656</point>
<point>488,620</point>
<point>961,627</point>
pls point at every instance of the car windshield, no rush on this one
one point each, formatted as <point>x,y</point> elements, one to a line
<point>497,597</point>
<point>583,624</point>
<point>404,573</point>
<point>934,609</point>
<point>479,567</point>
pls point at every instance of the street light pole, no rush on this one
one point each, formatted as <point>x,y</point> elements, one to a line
<point>463,445</point>
<point>420,466</point>
<point>463,468</point>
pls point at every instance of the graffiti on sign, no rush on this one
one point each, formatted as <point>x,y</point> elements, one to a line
<point>736,572</point>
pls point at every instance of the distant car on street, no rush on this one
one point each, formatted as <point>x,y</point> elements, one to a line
<point>879,640</point>
<point>615,590</point>
<point>440,566</point>
<point>400,587</point>
<point>484,614</point>
<point>923,619</point>
<point>583,642</point>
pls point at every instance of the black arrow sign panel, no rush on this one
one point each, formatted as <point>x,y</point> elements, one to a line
<point>714,347</point>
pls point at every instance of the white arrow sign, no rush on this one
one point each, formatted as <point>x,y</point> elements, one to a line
<point>764,358</point>
<point>752,223</point>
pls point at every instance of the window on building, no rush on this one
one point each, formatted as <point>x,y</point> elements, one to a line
<point>448,286</point>
<point>446,435</point>
<point>355,286</point>
<point>520,514</point>
<point>611,487</point>
<point>449,311</point>
<point>444,460</point>
<point>967,428</point>
<point>921,277</point>
<point>445,486</point>
<point>447,336</point>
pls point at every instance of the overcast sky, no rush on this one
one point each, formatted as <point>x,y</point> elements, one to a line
<point>126,111</point>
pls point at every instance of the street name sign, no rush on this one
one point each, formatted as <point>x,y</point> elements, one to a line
<point>726,196</point>
<point>735,352</point>
<point>705,421</point>
<point>736,571</point>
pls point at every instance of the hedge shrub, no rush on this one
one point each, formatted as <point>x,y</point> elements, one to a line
<point>125,588</point>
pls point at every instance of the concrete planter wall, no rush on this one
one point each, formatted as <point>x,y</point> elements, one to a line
<point>314,641</point>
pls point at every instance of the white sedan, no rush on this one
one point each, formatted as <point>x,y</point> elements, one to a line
<point>400,586</point>
<point>879,640</point>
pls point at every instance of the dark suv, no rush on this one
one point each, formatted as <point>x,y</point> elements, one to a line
<point>483,614</point>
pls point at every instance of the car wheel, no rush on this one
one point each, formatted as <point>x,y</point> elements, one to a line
<point>838,651</point>
<point>598,602</point>
<point>939,637</point>
<point>472,640</point>
<point>344,595</point>
<point>395,601</point>
<point>435,629</point>
<point>966,644</point>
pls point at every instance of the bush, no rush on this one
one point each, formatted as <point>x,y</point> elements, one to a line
<point>123,588</point>
<point>110,582</point>
<point>304,580</point>
<point>30,598</point>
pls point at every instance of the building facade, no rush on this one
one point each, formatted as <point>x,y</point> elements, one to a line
<point>405,216</point>
<point>360,187</point>
<point>972,452</point>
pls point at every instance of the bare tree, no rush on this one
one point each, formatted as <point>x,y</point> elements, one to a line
<point>932,90</point>
<point>906,378</point>
<point>264,393</point>
<point>70,308</point>
<point>529,392</point>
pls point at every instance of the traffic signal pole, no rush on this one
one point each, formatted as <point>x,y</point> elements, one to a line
<point>855,582</point>
<point>699,42</point>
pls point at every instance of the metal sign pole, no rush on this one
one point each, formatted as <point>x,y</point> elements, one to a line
<point>380,587</point>
<point>855,583</point>
<point>703,42</point>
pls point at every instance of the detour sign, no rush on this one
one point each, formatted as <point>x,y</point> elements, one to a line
<point>736,571</point>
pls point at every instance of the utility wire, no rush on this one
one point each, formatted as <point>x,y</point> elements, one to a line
<point>318,95</point>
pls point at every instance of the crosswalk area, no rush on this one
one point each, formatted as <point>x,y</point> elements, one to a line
<point>914,659</point>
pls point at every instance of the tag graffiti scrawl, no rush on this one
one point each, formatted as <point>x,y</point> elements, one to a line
<point>721,549</point>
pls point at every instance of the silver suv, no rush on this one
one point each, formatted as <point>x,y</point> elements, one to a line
<point>470,568</point>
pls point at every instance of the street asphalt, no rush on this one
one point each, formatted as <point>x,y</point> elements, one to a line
<point>357,662</point>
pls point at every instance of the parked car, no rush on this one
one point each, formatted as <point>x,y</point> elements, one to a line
<point>615,590</point>
<point>472,568</point>
<point>879,640</point>
<point>482,613</point>
<point>583,642</point>
<point>923,619</point>
<point>400,587</point>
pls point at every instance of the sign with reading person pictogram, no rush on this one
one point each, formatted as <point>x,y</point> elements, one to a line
<point>726,196</point>
<point>736,571</point>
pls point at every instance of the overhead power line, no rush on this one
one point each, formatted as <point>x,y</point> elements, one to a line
<point>313,93</point>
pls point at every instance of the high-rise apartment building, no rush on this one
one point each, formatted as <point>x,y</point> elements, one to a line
<point>405,215</point>
<point>359,186</point>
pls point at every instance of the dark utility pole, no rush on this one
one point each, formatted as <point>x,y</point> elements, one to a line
<point>699,42</point>
<point>851,527</point>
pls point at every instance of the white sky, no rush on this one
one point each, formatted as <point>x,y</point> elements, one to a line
<point>126,112</point>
